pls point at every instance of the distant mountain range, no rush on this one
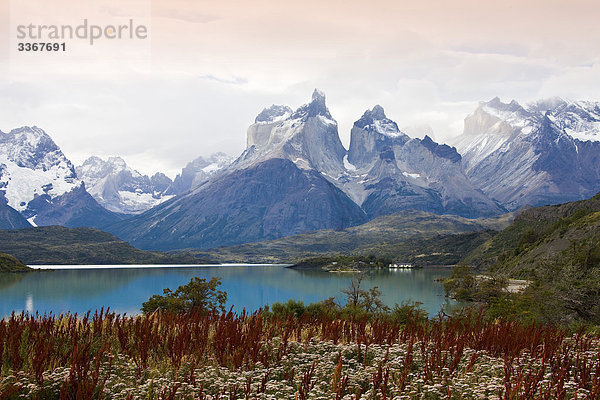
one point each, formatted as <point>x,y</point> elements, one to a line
<point>547,152</point>
<point>120,188</point>
<point>295,176</point>
<point>40,186</point>
<point>387,171</point>
<point>40,183</point>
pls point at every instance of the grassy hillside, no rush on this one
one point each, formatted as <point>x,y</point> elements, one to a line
<point>408,236</point>
<point>9,263</point>
<point>541,232</point>
<point>60,245</point>
<point>556,250</point>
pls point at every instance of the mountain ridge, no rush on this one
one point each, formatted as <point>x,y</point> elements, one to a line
<point>396,172</point>
<point>407,236</point>
<point>284,200</point>
<point>305,144</point>
<point>509,156</point>
<point>38,181</point>
<point>56,245</point>
<point>533,155</point>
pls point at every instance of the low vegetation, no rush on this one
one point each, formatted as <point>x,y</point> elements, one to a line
<point>411,236</point>
<point>216,355</point>
<point>535,340</point>
<point>553,226</point>
<point>360,303</point>
<point>9,263</point>
<point>556,250</point>
<point>57,245</point>
<point>344,263</point>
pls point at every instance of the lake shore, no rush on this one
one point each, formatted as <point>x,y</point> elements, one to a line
<point>144,266</point>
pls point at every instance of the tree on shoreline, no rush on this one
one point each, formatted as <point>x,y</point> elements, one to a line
<point>197,294</point>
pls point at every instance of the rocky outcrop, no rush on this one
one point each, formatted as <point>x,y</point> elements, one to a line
<point>271,199</point>
<point>199,171</point>
<point>544,153</point>
<point>388,172</point>
<point>120,188</point>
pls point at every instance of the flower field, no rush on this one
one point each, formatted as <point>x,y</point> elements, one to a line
<point>215,355</point>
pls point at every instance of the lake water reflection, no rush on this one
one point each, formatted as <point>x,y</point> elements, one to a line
<point>250,287</point>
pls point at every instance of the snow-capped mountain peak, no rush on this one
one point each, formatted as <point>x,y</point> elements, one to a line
<point>307,136</point>
<point>202,169</point>
<point>540,153</point>
<point>95,168</point>
<point>274,113</point>
<point>578,119</point>
<point>376,120</point>
<point>512,114</point>
<point>490,128</point>
<point>120,188</point>
<point>117,163</point>
<point>316,107</point>
<point>31,165</point>
<point>39,182</point>
<point>549,103</point>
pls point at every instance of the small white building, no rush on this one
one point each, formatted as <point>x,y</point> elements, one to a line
<point>400,266</point>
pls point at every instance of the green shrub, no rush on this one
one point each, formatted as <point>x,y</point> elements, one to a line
<point>197,294</point>
<point>408,311</point>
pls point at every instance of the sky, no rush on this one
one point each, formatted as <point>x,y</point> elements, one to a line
<point>205,69</point>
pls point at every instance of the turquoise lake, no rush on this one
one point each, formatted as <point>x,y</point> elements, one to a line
<point>251,287</point>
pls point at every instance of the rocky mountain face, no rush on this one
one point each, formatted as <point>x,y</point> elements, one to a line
<point>199,171</point>
<point>280,185</point>
<point>307,136</point>
<point>384,170</point>
<point>271,199</point>
<point>119,188</point>
<point>547,152</point>
<point>40,183</point>
<point>11,218</point>
<point>295,176</point>
<point>387,171</point>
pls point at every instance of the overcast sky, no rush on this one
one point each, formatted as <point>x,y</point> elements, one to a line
<point>208,68</point>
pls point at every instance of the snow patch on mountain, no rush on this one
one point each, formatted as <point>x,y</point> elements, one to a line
<point>32,165</point>
<point>347,165</point>
<point>141,201</point>
<point>476,148</point>
<point>307,136</point>
<point>540,153</point>
<point>408,174</point>
<point>120,188</point>
<point>200,171</point>
<point>22,185</point>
